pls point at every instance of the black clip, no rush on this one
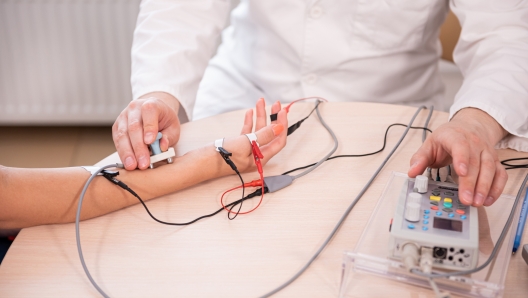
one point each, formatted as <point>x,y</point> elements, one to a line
<point>225,155</point>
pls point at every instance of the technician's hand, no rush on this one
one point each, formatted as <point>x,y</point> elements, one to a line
<point>467,142</point>
<point>271,138</point>
<point>138,125</point>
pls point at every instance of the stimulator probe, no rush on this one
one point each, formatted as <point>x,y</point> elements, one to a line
<point>157,155</point>
<point>430,216</point>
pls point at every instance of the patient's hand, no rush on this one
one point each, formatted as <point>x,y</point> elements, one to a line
<point>271,138</point>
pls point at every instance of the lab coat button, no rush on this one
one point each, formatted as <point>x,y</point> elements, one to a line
<point>310,79</point>
<point>316,12</point>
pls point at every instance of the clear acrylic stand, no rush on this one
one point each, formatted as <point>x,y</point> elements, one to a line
<point>371,252</point>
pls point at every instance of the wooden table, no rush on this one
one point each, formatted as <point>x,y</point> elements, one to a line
<point>130,255</point>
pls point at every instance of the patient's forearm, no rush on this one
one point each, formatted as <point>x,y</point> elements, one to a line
<point>30,197</point>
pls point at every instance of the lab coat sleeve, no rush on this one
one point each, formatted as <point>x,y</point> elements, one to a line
<point>173,42</point>
<point>492,54</point>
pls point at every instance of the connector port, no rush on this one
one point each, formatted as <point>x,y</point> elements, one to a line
<point>439,252</point>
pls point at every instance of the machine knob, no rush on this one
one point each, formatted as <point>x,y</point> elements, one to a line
<point>420,183</point>
<point>414,197</point>
<point>412,212</point>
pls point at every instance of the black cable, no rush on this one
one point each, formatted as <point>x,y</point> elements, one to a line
<point>509,166</point>
<point>361,155</point>
<point>296,125</point>
<point>226,156</point>
<point>119,183</point>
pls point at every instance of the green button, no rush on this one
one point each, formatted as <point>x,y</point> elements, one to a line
<point>448,205</point>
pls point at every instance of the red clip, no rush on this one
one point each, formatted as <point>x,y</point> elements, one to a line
<point>257,155</point>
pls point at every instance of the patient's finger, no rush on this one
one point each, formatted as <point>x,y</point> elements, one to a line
<point>248,122</point>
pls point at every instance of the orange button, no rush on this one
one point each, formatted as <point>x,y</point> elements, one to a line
<point>460,211</point>
<point>434,207</point>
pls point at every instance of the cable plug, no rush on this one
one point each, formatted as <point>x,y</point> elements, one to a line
<point>410,255</point>
<point>274,183</point>
<point>426,259</point>
<point>426,266</point>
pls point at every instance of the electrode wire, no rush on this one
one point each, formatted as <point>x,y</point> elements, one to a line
<point>426,125</point>
<point>241,201</point>
<point>336,144</point>
<point>509,166</point>
<point>360,155</point>
<point>77,219</point>
<point>347,212</point>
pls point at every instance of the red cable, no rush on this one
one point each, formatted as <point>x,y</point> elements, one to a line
<point>287,108</point>
<point>257,156</point>
<point>246,212</point>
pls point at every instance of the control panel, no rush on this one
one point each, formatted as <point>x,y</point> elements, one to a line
<point>430,214</point>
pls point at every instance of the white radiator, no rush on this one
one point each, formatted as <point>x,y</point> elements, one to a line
<point>65,61</point>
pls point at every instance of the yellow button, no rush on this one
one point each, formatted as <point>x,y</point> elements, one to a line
<point>448,200</point>
<point>434,198</point>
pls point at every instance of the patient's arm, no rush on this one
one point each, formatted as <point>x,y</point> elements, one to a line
<point>30,197</point>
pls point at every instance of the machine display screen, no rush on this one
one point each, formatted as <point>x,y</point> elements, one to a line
<point>447,224</point>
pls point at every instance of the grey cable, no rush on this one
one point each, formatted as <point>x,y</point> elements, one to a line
<point>424,133</point>
<point>77,219</point>
<point>336,144</point>
<point>495,248</point>
<point>347,211</point>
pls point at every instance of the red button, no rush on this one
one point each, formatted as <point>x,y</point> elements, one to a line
<point>460,211</point>
<point>434,207</point>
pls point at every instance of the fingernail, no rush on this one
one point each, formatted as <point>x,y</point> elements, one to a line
<point>463,169</point>
<point>414,164</point>
<point>467,196</point>
<point>143,162</point>
<point>149,138</point>
<point>488,201</point>
<point>129,162</point>
<point>479,199</point>
<point>277,129</point>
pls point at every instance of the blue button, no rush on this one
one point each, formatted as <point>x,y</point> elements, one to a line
<point>426,222</point>
<point>410,226</point>
<point>451,215</point>
<point>426,216</point>
<point>425,228</point>
<point>426,211</point>
<point>463,217</point>
<point>439,213</point>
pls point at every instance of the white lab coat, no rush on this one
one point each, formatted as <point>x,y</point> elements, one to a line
<point>343,50</point>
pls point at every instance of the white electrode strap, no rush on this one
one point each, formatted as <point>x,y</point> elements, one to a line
<point>252,137</point>
<point>92,169</point>
<point>219,143</point>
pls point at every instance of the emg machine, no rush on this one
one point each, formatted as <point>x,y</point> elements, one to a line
<point>430,215</point>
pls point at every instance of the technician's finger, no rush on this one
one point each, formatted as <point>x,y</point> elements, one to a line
<point>467,183</point>
<point>499,182</point>
<point>248,122</point>
<point>135,133</point>
<point>171,135</point>
<point>261,114</point>
<point>122,143</point>
<point>485,178</point>
<point>421,160</point>
<point>150,114</point>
